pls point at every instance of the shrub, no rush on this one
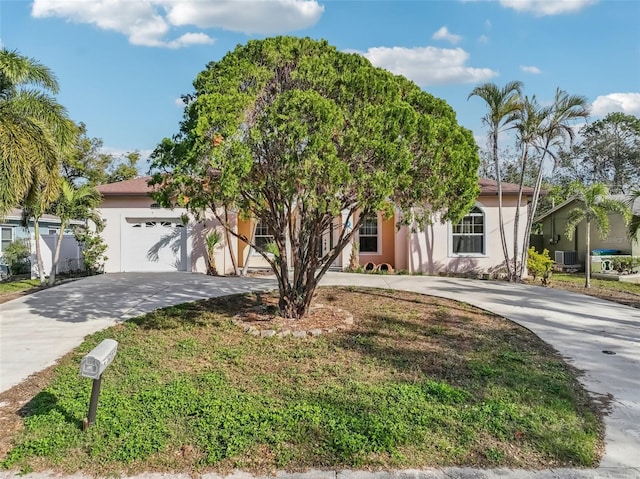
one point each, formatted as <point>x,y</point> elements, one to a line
<point>93,249</point>
<point>540,265</point>
<point>16,256</point>
<point>625,264</point>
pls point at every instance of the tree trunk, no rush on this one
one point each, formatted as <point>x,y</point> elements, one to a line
<point>39,263</point>
<point>56,256</point>
<point>587,261</point>
<point>518,272</point>
<point>503,238</point>
<point>232,254</point>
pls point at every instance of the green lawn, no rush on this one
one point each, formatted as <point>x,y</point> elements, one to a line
<point>417,382</point>
<point>14,286</point>
<point>578,279</point>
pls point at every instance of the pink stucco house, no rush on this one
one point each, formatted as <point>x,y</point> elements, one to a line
<point>144,237</point>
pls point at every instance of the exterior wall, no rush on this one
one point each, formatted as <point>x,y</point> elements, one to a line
<point>386,244</point>
<point>250,259</point>
<point>554,230</point>
<point>430,251</point>
<point>116,210</point>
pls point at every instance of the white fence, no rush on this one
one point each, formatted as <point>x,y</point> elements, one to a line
<point>70,254</point>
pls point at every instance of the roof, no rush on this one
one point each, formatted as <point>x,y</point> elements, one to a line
<point>134,187</point>
<point>635,208</point>
<point>139,186</point>
<point>16,215</point>
<point>490,187</point>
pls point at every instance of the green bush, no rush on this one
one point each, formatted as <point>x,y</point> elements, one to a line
<point>625,264</point>
<point>540,265</point>
<point>17,255</point>
<point>93,249</point>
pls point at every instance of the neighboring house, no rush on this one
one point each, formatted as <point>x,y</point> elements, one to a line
<point>554,239</point>
<point>141,236</point>
<point>11,229</point>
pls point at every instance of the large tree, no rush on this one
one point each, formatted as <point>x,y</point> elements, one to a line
<point>87,163</point>
<point>609,152</point>
<point>34,130</point>
<point>503,106</point>
<point>593,207</point>
<point>295,134</point>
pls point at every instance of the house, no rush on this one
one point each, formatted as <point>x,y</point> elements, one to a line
<point>142,236</point>
<point>11,229</point>
<point>553,233</point>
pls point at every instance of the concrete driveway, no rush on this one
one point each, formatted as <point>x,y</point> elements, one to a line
<point>38,329</point>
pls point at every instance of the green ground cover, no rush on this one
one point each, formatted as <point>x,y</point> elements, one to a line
<point>15,286</point>
<point>416,382</point>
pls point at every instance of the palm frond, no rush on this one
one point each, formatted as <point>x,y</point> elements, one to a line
<point>576,215</point>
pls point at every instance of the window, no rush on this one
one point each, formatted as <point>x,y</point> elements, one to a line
<point>7,237</point>
<point>467,237</point>
<point>369,235</point>
<point>263,235</point>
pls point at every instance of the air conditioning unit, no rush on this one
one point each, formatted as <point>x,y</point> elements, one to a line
<point>566,257</point>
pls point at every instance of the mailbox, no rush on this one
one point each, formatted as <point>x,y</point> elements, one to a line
<point>93,364</point>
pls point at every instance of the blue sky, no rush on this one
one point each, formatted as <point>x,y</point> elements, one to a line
<point>123,64</point>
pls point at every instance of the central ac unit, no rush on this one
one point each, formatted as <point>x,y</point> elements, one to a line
<point>566,257</point>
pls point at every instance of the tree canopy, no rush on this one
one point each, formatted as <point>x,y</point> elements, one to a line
<point>609,153</point>
<point>294,133</point>
<point>34,130</point>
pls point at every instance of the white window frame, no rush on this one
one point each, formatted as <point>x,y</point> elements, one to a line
<point>451,233</point>
<point>12,235</point>
<point>260,226</point>
<point>378,236</point>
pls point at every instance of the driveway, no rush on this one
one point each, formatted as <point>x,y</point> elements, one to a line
<point>38,329</point>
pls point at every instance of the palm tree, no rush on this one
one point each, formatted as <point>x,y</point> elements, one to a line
<point>593,207</point>
<point>34,128</point>
<point>555,130</point>
<point>73,204</point>
<point>504,104</point>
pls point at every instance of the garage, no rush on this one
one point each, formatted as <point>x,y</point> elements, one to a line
<point>154,245</point>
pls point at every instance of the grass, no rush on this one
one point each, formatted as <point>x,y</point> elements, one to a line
<point>417,382</point>
<point>16,286</point>
<point>578,279</point>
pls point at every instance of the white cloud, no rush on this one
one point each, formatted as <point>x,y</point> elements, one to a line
<point>275,16</point>
<point>542,8</point>
<point>149,22</point>
<point>531,69</point>
<point>628,103</point>
<point>179,102</point>
<point>445,34</point>
<point>429,66</point>
<point>483,39</point>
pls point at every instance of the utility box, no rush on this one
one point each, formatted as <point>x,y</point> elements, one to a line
<point>93,364</point>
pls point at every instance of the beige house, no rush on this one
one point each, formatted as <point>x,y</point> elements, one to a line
<point>144,237</point>
<point>554,239</point>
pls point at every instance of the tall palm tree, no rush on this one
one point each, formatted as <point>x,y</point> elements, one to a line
<point>555,131</point>
<point>34,128</point>
<point>530,118</point>
<point>72,204</point>
<point>593,207</point>
<point>503,107</point>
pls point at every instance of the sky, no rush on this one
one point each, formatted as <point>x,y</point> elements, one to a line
<point>122,65</point>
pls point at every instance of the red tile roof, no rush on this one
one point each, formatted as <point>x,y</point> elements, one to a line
<point>139,186</point>
<point>134,187</point>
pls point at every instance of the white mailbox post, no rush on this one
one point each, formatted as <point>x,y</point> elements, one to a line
<point>92,366</point>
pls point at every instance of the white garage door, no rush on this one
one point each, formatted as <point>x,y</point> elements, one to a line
<point>154,245</point>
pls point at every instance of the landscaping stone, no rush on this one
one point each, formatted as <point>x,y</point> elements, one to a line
<point>267,333</point>
<point>299,334</point>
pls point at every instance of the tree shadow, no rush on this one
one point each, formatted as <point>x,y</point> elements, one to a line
<point>43,403</point>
